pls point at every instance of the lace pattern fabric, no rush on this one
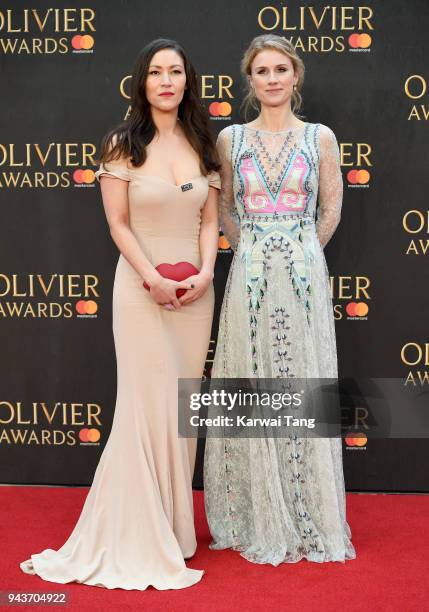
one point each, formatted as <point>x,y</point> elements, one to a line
<point>278,500</point>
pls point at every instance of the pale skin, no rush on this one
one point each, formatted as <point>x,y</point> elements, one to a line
<point>272,78</point>
<point>171,151</point>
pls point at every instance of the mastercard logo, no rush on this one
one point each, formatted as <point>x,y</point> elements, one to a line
<point>89,435</point>
<point>355,439</point>
<point>82,42</point>
<point>360,41</point>
<point>358,177</point>
<point>223,243</point>
<point>84,176</point>
<point>86,307</point>
<point>357,309</point>
<point>220,109</point>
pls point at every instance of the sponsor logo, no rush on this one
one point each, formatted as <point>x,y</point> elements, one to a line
<point>415,355</point>
<point>358,157</point>
<point>47,31</point>
<point>356,440</point>
<point>416,223</point>
<point>215,89</point>
<point>321,29</point>
<point>48,296</point>
<point>53,165</point>
<point>350,296</point>
<point>50,424</point>
<point>220,110</point>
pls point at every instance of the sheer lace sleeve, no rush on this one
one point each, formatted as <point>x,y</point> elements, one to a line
<point>229,219</point>
<point>330,186</point>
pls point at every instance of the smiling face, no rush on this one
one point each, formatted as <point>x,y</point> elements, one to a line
<point>273,77</point>
<point>166,80</point>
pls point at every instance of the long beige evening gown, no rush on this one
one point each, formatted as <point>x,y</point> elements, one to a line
<point>137,524</point>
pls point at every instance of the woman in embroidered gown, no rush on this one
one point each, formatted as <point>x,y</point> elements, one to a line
<point>277,499</point>
<point>136,526</point>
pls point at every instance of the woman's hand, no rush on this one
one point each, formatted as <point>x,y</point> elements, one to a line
<point>201,283</point>
<point>163,292</point>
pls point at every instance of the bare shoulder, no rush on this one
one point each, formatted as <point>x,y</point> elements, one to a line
<point>118,156</point>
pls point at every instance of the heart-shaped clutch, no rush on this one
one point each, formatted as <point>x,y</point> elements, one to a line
<point>177,272</point>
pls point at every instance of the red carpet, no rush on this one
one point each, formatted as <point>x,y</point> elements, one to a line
<point>390,533</point>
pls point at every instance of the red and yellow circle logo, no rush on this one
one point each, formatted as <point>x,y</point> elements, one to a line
<point>356,439</point>
<point>89,435</point>
<point>357,309</point>
<point>360,41</point>
<point>82,42</point>
<point>358,177</point>
<point>84,176</point>
<point>220,109</point>
<point>86,307</point>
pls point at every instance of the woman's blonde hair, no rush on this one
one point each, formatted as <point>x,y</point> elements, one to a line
<point>278,43</point>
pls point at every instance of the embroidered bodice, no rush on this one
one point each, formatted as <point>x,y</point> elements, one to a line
<point>280,175</point>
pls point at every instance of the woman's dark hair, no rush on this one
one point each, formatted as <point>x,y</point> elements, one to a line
<point>131,137</point>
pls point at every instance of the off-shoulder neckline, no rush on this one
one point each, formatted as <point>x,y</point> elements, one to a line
<point>160,178</point>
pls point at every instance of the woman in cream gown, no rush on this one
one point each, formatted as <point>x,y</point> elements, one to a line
<point>136,526</point>
<point>277,500</point>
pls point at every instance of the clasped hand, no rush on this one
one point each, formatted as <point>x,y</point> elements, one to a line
<point>163,291</point>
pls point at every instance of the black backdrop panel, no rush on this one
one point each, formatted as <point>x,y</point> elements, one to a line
<point>65,81</point>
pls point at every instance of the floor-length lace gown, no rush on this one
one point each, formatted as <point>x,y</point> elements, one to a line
<point>278,499</point>
<point>137,524</point>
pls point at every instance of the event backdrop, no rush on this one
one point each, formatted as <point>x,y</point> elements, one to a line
<point>66,80</point>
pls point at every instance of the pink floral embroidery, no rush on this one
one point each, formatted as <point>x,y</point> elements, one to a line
<point>292,197</point>
<point>255,197</point>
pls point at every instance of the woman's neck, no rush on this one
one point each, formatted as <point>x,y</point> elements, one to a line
<point>276,119</point>
<point>165,122</point>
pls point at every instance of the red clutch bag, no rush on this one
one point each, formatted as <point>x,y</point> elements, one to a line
<point>176,272</point>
